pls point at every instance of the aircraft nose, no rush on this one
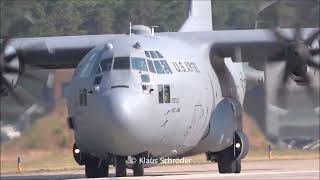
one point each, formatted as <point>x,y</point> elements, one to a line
<point>122,127</point>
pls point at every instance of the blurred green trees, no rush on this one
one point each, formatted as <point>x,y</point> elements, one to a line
<point>28,18</point>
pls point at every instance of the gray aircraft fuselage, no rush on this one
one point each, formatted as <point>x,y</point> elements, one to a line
<point>124,115</point>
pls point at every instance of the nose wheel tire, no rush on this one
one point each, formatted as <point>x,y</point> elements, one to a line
<point>227,163</point>
<point>138,169</point>
<point>95,168</point>
<point>121,167</point>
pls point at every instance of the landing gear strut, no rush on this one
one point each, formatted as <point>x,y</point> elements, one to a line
<point>95,167</point>
<point>138,168</point>
<point>121,167</point>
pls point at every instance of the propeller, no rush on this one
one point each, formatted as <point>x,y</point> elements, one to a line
<point>297,54</point>
<point>10,71</point>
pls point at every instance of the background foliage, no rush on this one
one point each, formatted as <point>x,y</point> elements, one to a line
<point>28,18</point>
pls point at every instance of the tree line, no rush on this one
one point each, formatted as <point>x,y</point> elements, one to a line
<point>29,18</point>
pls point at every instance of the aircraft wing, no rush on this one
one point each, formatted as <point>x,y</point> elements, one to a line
<point>55,52</point>
<point>256,44</point>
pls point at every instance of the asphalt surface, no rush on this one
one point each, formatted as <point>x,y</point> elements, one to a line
<point>267,169</point>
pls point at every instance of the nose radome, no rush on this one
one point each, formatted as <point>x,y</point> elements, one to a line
<point>121,122</point>
<point>119,107</point>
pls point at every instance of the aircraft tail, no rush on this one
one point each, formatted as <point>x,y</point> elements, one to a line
<point>200,17</point>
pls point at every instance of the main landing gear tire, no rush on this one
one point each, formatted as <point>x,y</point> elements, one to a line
<point>138,169</point>
<point>121,167</point>
<point>95,168</point>
<point>227,163</point>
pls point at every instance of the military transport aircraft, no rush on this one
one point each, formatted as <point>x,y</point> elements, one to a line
<point>173,94</point>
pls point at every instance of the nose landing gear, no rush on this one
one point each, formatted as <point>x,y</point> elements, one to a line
<point>121,167</point>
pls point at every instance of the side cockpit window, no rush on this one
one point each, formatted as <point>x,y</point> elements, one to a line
<point>121,63</point>
<point>105,65</point>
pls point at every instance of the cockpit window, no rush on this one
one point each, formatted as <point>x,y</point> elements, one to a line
<point>159,54</point>
<point>139,64</point>
<point>147,54</point>
<point>166,67</point>
<point>151,67</point>
<point>159,68</point>
<point>153,55</point>
<point>89,61</point>
<point>105,65</point>
<point>121,63</point>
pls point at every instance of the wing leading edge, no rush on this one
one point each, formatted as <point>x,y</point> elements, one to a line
<point>56,52</point>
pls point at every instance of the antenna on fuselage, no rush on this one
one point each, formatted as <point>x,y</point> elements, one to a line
<point>152,29</point>
<point>130,27</point>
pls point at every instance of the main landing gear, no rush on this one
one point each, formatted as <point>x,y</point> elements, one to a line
<point>229,159</point>
<point>227,163</point>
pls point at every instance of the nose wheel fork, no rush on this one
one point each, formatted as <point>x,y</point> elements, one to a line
<point>121,167</point>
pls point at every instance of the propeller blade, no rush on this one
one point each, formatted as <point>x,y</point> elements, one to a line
<point>10,88</point>
<point>298,33</point>
<point>312,37</point>
<point>315,52</point>
<point>280,37</point>
<point>10,58</point>
<point>311,92</point>
<point>287,72</point>
<point>4,43</point>
<point>8,69</point>
<point>313,64</point>
<point>281,97</point>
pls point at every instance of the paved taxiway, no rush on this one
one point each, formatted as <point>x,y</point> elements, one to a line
<point>266,169</point>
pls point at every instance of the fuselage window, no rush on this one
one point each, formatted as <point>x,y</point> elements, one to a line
<point>121,63</point>
<point>97,80</point>
<point>160,93</point>
<point>166,94</point>
<point>159,68</point>
<point>139,64</point>
<point>153,55</point>
<point>147,54</point>
<point>151,66</point>
<point>166,67</point>
<point>83,101</point>
<point>145,78</point>
<point>159,54</point>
